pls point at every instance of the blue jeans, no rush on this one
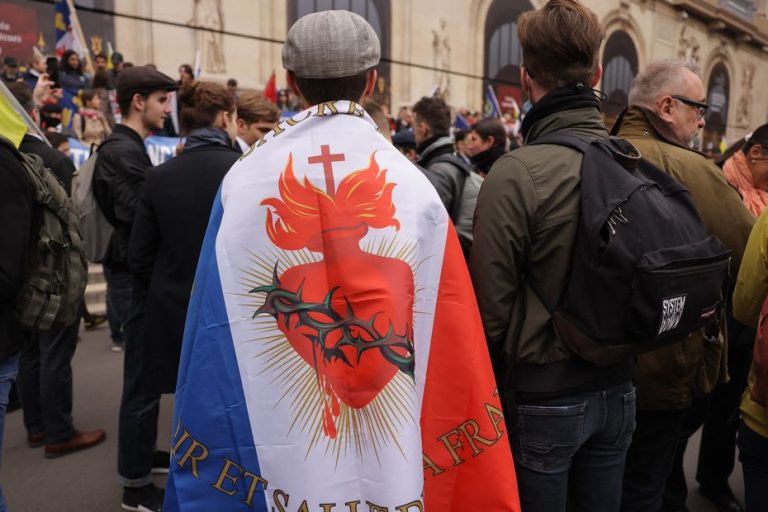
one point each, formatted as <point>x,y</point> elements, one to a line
<point>570,450</point>
<point>753,455</point>
<point>119,286</point>
<point>8,370</point>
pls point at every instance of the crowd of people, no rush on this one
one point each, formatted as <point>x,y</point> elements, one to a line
<point>583,436</point>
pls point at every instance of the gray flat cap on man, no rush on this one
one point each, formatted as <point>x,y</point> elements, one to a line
<point>331,44</point>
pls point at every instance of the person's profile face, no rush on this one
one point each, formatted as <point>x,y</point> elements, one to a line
<point>156,108</point>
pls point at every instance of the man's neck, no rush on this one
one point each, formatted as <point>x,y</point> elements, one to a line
<point>136,125</point>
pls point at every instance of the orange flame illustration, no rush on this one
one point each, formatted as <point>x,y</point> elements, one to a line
<point>363,198</point>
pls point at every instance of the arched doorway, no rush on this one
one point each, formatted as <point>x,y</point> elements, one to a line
<point>376,12</point>
<point>620,66</point>
<point>503,53</point>
<point>718,95</point>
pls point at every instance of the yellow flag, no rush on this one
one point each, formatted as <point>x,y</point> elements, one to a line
<point>12,126</point>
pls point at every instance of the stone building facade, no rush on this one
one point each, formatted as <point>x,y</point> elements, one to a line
<point>462,46</point>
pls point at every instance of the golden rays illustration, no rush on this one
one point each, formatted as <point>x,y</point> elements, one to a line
<point>361,432</point>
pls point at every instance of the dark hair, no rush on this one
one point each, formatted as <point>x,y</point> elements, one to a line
<point>561,43</point>
<point>201,102</point>
<point>187,69</point>
<point>491,128</point>
<point>759,136</point>
<point>125,103</point>
<point>318,90</point>
<point>87,95</point>
<point>101,79</point>
<point>23,95</point>
<point>232,82</point>
<point>64,63</point>
<point>100,55</point>
<point>460,134</point>
<point>436,113</point>
<point>56,139</point>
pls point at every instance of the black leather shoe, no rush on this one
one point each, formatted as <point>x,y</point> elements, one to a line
<point>723,499</point>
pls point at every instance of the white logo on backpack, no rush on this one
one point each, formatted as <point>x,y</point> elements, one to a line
<point>671,313</point>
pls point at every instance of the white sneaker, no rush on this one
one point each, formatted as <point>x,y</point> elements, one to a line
<point>117,347</point>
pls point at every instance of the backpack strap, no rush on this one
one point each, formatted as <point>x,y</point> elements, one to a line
<point>564,139</point>
<point>464,171</point>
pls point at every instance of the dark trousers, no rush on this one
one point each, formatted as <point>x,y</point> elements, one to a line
<point>45,383</point>
<point>650,459</point>
<point>676,490</point>
<point>139,407</point>
<point>119,286</point>
<point>718,437</point>
<point>753,455</point>
<point>569,451</point>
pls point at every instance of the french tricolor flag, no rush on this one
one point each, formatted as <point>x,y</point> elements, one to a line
<point>334,358</point>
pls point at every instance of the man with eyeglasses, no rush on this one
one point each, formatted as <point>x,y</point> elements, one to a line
<point>667,108</point>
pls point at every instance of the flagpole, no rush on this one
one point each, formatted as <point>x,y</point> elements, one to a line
<point>78,29</point>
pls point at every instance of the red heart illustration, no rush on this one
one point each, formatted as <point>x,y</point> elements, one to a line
<point>376,288</point>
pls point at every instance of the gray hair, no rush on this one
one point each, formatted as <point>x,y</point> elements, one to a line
<point>660,77</point>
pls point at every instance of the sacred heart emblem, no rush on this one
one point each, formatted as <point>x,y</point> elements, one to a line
<point>346,312</point>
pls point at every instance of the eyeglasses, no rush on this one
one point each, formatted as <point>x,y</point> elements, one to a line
<point>527,70</point>
<point>701,107</point>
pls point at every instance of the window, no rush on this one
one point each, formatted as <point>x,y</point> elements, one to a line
<point>503,53</point>
<point>718,95</point>
<point>744,8</point>
<point>620,65</point>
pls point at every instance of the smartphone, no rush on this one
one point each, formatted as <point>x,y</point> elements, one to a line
<point>52,67</point>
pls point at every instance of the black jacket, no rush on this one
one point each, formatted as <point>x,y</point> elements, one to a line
<point>121,167</point>
<point>53,159</point>
<point>168,232</point>
<point>16,203</point>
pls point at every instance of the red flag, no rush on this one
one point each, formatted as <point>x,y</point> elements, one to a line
<point>270,91</point>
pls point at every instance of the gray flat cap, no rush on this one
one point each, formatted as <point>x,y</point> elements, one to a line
<point>331,44</point>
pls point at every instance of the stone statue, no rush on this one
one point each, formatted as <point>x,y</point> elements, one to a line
<point>745,101</point>
<point>441,47</point>
<point>688,48</point>
<point>207,14</point>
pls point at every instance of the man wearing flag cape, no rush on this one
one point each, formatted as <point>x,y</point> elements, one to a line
<point>334,357</point>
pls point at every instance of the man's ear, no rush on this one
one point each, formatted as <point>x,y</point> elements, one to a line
<point>664,108</point>
<point>370,84</point>
<point>597,76</point>
<point>241,125</point>
<point>139,102</point>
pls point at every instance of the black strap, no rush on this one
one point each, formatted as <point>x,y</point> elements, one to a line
<point>565,139</point>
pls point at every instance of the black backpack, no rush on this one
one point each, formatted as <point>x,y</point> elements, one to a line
<point>645,271</point>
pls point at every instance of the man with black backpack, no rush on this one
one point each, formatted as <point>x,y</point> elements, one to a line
<point>570,421</point>
<point>667,108</point>
<point>45,367</point>
<point>455,181</point>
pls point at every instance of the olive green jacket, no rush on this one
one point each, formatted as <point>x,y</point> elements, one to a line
<point>671,377</point>
<point>524,231</point>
